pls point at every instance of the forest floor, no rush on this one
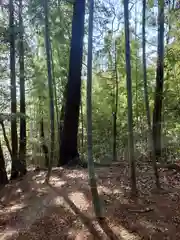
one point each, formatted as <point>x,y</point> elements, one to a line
<point>30,209</point>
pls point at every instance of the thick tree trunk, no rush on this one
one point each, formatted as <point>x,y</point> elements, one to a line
<point>3,174</point>
<point>22,143</point>
<point>14,139</point>
<point>43,144</point>
<point>157,113</point>
<point>68,148</point>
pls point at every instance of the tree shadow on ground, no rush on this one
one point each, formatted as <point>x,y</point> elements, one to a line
<point>123,216</point>
<point>88,222</point>
<point>151,215</point>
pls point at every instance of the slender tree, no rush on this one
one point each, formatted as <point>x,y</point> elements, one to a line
<point>43,144</point>
<point>92,178</point>
<point>68,148</point>
<point>129,96</point>
<point>14,139</point>
<point>115,108</point>
<point>146,98</point>
<point>6,138</point>
<point>50,84</point>
<point>3,174</point>
<point>158,99</point>
<point>22,144</point>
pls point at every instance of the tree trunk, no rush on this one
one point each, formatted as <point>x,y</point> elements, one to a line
<point>82,126</point>
<point>92,178</point>
<point>115,109</point>
<point>6,139</point>
<point>43,144</point>
<point>22,143</point>
<point>50,85</point>
<point>68,148</point>
<point>157,113</point>
<point>146,98</point>
<point>129,96</point>
<point>3,174</point>
<point>14,139</point>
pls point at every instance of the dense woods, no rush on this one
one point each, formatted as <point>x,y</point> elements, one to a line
<point>89,84</point>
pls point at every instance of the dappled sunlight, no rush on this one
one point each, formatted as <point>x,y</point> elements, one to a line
<point>7,233</point>
<point>79,199</point>
<point>56,181</point>
<point>77,174</point>
<point>57,201</point>
<point>39,178</point>
<point>148,225</point>
<point>16,207</point>
<point>124,234</point>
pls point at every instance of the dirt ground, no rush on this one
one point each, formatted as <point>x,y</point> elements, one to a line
<point>30,209</point>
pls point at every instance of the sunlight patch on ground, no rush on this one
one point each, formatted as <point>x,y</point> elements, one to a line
<point>57,201</point>
<point>103,189</point>
<point>40,177</point>
<point>124,234</point>
<point>16,207</point>
<point>146,224</point>
<point>57,182</point>
<point>79,200</point>
<point>5,235</point>
<point>77,174</point>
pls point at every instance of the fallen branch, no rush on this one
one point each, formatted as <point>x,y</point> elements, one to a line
<point>141,210</point>
<point>171,166</point>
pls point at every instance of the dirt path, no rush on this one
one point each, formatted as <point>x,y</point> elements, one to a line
<point>63,210</point>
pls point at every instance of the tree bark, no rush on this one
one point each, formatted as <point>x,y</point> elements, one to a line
<point>50,85</point>
<point>146,98</point>
<point>22,143</point>
<point>3,174</point>
<point>43,144</point>
<point>92,177</point>
<point>14,139</point>
<point>158,99</point>
<point>129,96</point>
<point>115,109</point>
<point>68,148</point>
<point>6,138</point>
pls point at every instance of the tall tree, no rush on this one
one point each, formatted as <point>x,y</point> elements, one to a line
<point>22,144</point>
<point>115,107</point>
<point>50,85</point>
<point>14,139</point>
<point>92,178</point>
<point>68,148</point>
<point>146,98</point>
<point>129,98</point>
<point>158,98</point>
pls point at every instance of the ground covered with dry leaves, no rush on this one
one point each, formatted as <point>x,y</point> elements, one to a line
<point>30,209</point>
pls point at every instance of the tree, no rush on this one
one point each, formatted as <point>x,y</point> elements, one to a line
<point>115,108</point>
<point>129,98</point>
<point>68,148</point>
<point>50,85</point>
<point>92,178</point>
<point>14,139</point>
<point>158,98</point>
<point>146,98</point>
<point>22,144</point>
<point>3,174</point>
